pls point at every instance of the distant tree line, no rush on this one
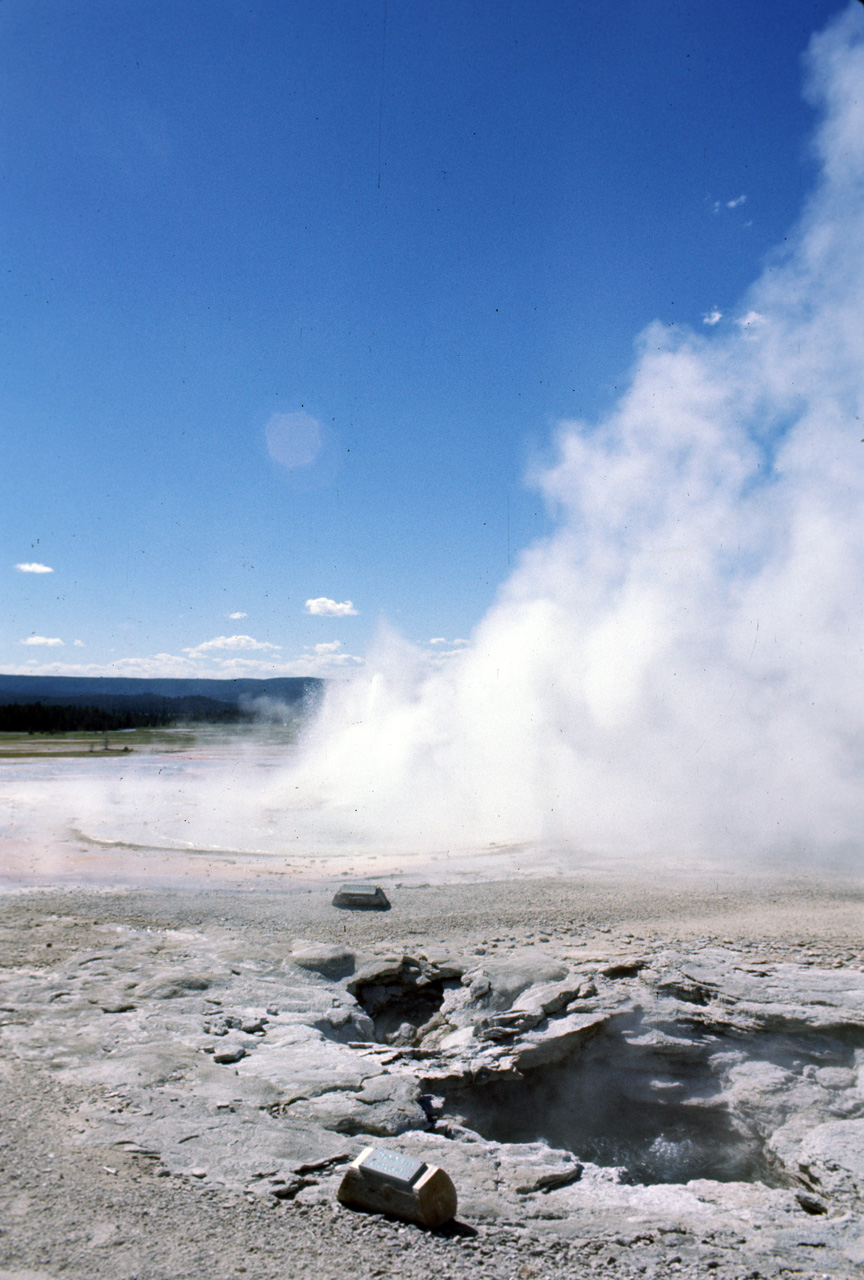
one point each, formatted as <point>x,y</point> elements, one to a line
<point>37,717</point>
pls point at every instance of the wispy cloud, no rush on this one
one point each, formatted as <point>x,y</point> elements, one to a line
<point>33,566</point>
<point>325,665</point>
<point>440,657</point>
<point>750,319</point>
<point>222,658</point>
<point>232,642</point>
<point>235,617</point>
<point>712,317</point>
<point>212,665</point>
<point>729,204</point>
<point>326,662</point>
<point>322,607</point>
<point>443,650</point>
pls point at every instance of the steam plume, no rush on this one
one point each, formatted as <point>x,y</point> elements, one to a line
<point>681,666</point>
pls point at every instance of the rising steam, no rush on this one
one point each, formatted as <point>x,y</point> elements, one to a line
<point>681,666</point>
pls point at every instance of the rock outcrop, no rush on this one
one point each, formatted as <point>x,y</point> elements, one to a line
<point>702,1090</point>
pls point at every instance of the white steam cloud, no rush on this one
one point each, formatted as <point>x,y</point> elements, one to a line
<point>681,666</point>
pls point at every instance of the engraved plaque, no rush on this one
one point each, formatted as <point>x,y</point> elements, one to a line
<point>393,1167</point>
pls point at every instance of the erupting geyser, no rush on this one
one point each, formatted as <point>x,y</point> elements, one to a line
<point>681,666</point>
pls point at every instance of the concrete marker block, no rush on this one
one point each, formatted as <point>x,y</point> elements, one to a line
<point>368,897</point>
<point>389,1182</point>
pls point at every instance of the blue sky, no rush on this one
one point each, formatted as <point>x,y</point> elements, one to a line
<point>295,294</point>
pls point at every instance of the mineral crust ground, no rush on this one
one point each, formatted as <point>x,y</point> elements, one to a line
<point>186,1072</point>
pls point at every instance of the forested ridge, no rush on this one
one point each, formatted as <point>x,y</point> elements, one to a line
<point>36,717</point>
<point>33,704</point>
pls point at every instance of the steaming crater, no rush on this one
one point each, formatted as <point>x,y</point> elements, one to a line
<point>663,1101</point>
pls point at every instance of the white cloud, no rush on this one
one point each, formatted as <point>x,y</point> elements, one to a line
<point>328,646</point>
<point>79,644</point>
<point>34,567</point>
<point>308,664</point>
<point>712,317</point>
<point>321,607</point>
<point>210,666</point>
<point>729,204</point>
<point>326,665</point>
<point>750,319</point>
<point>52,641</point>
<point>235,617</point>
<point>437,640</point>
<point>249,666</point>
<point>231,642</point>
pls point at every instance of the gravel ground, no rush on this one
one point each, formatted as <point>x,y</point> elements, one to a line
<point>71,1210</point>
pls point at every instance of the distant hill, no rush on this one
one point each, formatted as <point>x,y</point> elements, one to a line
<point>288,689</point>
<point>155,701</point>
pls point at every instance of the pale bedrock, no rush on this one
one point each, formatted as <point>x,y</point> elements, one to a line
<point>331,961</point>
<point>409,1051</point>
<point>385,1105</point>
<point>497,983</point>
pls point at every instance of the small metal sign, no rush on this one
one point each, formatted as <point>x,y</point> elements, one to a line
<point>394,1167</point>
